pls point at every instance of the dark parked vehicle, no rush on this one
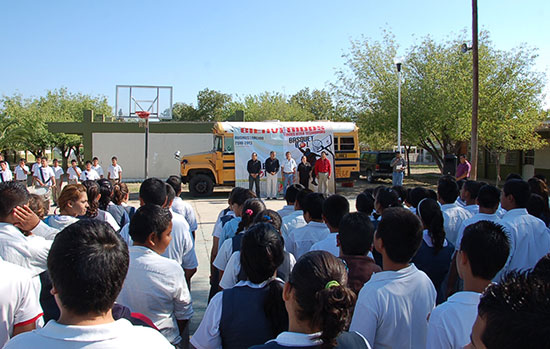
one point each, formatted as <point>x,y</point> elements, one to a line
<point>376,164</point>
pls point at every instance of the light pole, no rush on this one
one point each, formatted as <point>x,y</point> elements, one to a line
<point>398,62</point>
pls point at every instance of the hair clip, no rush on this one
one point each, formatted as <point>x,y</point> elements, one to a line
<point>267,217</point>
<point>249,212</point>
<point>332,283</point>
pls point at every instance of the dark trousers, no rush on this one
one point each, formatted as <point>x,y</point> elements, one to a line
<point>304,180</point>
<point>254,181</point>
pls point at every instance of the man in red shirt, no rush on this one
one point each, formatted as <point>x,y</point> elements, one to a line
<point>322,171</point>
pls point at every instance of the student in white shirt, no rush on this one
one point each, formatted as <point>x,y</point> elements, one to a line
<point>296,218</point>
<point>21,171</point>
<point>481,255</point>
<point>453,214</point>
<point>290,198</point>
<point>73,173</point>
<point>182,207</point>
<point>44,176</point>
<point>252,312</point>
<point>114,172</point>
<point>58,171</point>
<point>93,211</point>
<point>96,167</point>
<point>88,255</point>
<point>393,306</point>
<point>34,168</point>
<point>72,203</point>
<point>5,172</point>
<point>469,193</point>
<point>19,305</point>
<point>335,208</point>
<point>301,239</point>
<point>89,174</point>
<point>289,170</point>
<point>529,236</point>
<point>238,200</point>
<point>319,306</point>
<point>155,285</point>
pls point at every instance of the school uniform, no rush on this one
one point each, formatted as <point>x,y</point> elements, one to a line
<point>118,334</point>
<point>73,175</point>
<point>290,340</point>
<point>47,176</point>
<point>472,220</point>
<point>223,217</point>
<point>301,239</point>
<point>45,231</point>
<point>106,217</point>
<point>229,324</point>
<point>286,210</point>
<point>155,286</point>
<point>114,172</point>
<point>291,222</point>
<point>99,170</point>
<point>60,222</point>
<point>19,303</point>
<point>453,215</point>
<point>450,323</point>
<point>29,252</point>
<point>58,171</point>
<point>89,175</point>
<point>392,309</point>
<point>473,209</point>
<point>185,209</point>
<point>21,173</point>
<point>529,240</point>
<point>360,270</point>
<point>328,244</point>
<point>224,253</point>
<point>229,230</point>
<point>119,213</point>
<point>6,176</point>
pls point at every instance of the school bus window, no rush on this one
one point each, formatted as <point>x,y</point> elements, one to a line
<point>229,145</point>
<point>347,143</point>
<point>336,143</point>
<point>218,144</point>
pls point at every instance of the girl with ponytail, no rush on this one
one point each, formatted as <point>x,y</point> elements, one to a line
<point>319,306</point>
<point>436,252</point>
<point>253,311</point>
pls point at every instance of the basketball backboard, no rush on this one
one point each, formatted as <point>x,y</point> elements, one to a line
<point>134,98</point>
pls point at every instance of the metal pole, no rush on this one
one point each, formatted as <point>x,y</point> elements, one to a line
<point>475,92</point>
<point>146,147</point>
<point>399,107</point>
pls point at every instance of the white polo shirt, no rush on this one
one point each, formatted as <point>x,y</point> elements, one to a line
<point>29,252</point>
<point>58,172</point>
<point>73,174</point>
<point>155,286</point>
<point>118,334</point>
<point>181,247</point>
<point>291,222</point>
<point>6,175</point>
<point>185,209</point>
<point>529,240</point>
<point>34,168</point>
<point>327,244</point>
<point>453,215</point>
<point>114,171</point>
<point>392,308</point>
<point>473,209</point>
<point>288,166</point>
<point>224,253</point>
<point>91,175</point>
<point>286,210</point>
<point>98,169</point>
<point>19,303</point>
<point>20,172</point>
<point>301,239</point>
<point>451,323</point>
<point>45,174</point>
<point>472,220</point>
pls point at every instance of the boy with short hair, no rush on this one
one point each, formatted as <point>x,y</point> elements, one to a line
<point>89,173</point>
<point>296,218</point>
<point>182,207</point>
<point>114,172</point>
<point>5,172</point>
<point>482,253</point>
<point>88,255</point>
<point>453,214</point>
<point>155,285</point>
<point>96,167</point>
<point>334,208</point>
<point>355,238</point>
<point>468,194</point>
<point>392,307</point>
<point>290,198</point>
<point>73,173</point>
<point>22,172</point>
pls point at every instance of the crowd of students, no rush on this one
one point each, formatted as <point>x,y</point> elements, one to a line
<point>466,265</point>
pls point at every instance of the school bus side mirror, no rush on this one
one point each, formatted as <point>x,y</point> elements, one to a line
<point>177,155</point>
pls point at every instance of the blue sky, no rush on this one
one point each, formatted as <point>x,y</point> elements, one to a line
<point>236,47</point>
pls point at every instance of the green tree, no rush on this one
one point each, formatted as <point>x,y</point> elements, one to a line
<point>212,105</point>
<point>317,102</point>
<point>184,112</point>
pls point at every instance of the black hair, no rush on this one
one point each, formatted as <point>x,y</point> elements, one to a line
<point>520,191</point>
<point>55,160</point>
<point>401,192</point>
<point>291,193</point>
<point>541,177</point>
<point>460,183</point>
<point>92,190</point>
<point>233,193</point>
<point>87,264</point>
<point>487,247</point>
<point>149,219</point>
<point>542,268</point>
<point>114,158</point>
<point>153,191</point>
<point>356,234</point>
<point>432,194</point>
<point>513,176</point>
<point>334,208</point>
<point>401,233</point>
<point>175,182</point>
<point>447,189</point>
<point>473,187</point>
<point>106,191</point>
<point>95,158</point>
<point>251,208</point>
<point>430,213</point>
<point>313,204</point>
<point>12,194</point>
<point>387,197</point>
<point>88,162</point>
<point>240,196</point>
<point>538,206</point>
<point>416,195</point>
<point>73,160</point>
<point>262,252</point>
<point>271,217</point>
<point>364,203</point>
<point>301,197</point>
<point>516,311</point>
<point>488,196</point>
<point>319,282</point>
<point>170,194</point>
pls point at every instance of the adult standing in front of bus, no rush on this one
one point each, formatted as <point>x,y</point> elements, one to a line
<point>289,169</point>
<point>272,169</point>
<point>322,171</point>
<point>254,168</point>
<point>398,165</point>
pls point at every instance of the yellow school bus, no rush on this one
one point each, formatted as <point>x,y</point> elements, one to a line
<point>203,171</point>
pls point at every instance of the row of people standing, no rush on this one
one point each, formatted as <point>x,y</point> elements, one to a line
<point>322,170</point>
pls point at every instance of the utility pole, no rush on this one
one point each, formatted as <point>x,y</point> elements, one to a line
<point>475,92</point>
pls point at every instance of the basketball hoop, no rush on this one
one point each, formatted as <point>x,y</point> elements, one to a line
<point>143,114</point>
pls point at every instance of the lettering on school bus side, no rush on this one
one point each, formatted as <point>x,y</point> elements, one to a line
<point>255,130</point>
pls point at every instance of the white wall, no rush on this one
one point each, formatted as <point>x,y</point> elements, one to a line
<point>129,148</point>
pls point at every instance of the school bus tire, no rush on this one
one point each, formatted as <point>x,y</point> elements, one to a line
<point>201,185</point>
